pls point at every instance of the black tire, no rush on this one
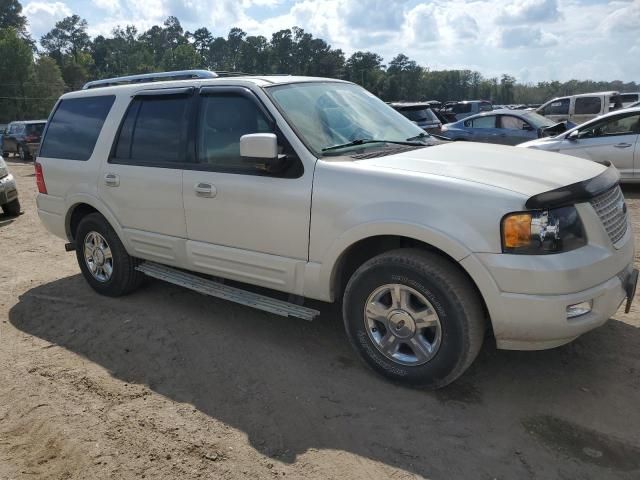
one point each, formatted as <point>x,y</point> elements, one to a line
<point>450,293</point>
<point>12,208</point>
<point>124,278</point>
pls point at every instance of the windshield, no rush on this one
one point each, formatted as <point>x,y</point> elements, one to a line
<point>332,113</point>
<point>537,120</point>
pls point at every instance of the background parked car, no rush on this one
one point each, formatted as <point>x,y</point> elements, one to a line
<point>459,110</point>
<point>627,99</point>
<point>612,137</point>
<point>8,191</point>
<point>580,108</point>
<point>508,127</point>
<point>23,138</point>
<point>3,128</point>
<point>419,113</point>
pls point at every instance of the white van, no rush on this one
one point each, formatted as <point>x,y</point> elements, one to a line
<point>580,108</point>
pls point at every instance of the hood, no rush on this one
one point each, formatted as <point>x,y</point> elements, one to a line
<point>521,170</point>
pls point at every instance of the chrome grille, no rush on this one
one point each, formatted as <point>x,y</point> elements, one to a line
<point>612,211</point>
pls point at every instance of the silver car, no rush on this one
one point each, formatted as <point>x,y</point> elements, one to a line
<point>507,127</point>
<point>610,138</point>
<point>8,191</point>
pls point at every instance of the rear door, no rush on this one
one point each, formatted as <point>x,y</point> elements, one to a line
<point>612,139</point>
<point>142,181</point>
<point>483,129</point>
<point>588,108</point>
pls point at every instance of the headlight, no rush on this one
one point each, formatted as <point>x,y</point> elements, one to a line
<point>541,232</point>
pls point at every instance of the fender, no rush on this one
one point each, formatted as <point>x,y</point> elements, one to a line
<point>74,200</point>
<point>320,276</point>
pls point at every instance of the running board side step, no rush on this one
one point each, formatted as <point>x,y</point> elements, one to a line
<point>226,292</point>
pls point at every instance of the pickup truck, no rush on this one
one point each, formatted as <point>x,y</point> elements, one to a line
<point>316,188</point>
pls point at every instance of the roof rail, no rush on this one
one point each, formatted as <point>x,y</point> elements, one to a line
<point>150,77</point>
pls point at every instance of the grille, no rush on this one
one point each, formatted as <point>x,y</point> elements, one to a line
<point>612,211</point>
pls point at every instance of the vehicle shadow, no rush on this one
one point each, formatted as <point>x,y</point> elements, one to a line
<point>292,385</point>
<point>6,220</point>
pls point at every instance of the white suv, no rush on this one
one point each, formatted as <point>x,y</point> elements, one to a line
<point>316,188</point>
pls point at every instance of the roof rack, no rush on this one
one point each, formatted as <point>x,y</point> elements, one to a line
<point>151,77</point>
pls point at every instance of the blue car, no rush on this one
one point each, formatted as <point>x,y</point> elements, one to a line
<point>508,127</point>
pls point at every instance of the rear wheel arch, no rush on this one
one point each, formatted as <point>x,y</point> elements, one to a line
<point>81,209</point>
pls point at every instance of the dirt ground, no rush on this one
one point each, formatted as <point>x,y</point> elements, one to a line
<point>167,383</point>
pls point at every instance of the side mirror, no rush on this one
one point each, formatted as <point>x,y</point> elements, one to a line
<point>261,149</point>
<point>573,136</point>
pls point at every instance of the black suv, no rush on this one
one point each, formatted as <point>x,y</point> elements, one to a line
<point>23,138</point>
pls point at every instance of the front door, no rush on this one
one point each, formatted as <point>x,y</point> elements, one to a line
<point>142,182</point>
<point>515,130</point>
<point>243,222</point>
<point>611,139</point>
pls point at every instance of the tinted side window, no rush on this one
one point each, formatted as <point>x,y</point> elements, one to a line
<point>462,108</point>
<point>558,107</point>
<point>154,131</point>
<point>73,130</point>
<point>588,105</point>
<point>485,107</point>
<point>222,120</point>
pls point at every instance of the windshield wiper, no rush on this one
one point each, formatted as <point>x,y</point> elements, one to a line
<point>419,136</point>
<point>364,141</point>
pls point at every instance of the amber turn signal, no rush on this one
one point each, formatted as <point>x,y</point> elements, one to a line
<point>516,230</point>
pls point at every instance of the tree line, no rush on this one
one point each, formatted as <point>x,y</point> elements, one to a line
<point>32,77</point>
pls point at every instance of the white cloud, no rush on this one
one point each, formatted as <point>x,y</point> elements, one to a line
<point>421,24</point>
<point>624,19</point>
<point>42,16</point>
<point>530,11</point>
<point>111,6</point>
<point>525,37</point>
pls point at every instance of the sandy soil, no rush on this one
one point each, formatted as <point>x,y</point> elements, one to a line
<point>167,383</point>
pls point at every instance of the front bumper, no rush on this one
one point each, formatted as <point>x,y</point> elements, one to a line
<point>8,189</point>
<point>527,295</point>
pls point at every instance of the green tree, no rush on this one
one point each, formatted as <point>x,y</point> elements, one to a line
<point>68,37</point>
<point>11,16</point>
<point>183,57</point>
<point>45,86</point>
<point>15,67</point>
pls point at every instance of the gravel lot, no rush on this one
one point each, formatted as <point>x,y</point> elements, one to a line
<point>167,383</point>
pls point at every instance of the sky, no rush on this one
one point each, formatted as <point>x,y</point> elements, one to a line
<point>533,40</point>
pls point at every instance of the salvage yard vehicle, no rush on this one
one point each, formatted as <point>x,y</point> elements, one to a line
<point>609,138</point>
<point>8,191</point>
<point>420,114</point>
<point>459,110</point>
<point>580,108</point>
<point>23,139</point>
<point>507,127</point>
<point>316,188</point>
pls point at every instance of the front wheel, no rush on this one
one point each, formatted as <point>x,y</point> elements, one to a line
<point>12,208</point>
<point>22,153</point>
<point>414,317</point>
<point>103,260</point>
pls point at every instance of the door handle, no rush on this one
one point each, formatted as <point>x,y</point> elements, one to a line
<point>205,190</point>
<point>622,145</point>
<point>111,180</point>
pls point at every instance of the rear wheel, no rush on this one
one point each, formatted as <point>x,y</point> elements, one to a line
<point>103,260</point>
<point>12,208</point>
<point>414,317</point>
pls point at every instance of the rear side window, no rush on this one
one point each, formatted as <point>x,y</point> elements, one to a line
<point>485,122</point>
<point>154,131</point>
<point>486,107</point>
<point>462,108</point>
<point>588,105</point>
<point>35,128</point>
<point>74,128</point>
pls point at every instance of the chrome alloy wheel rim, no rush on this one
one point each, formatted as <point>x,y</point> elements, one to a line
<point>402,324</point>
<point>98,257</point>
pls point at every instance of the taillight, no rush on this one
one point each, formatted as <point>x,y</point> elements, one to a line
<point>42,187</point>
